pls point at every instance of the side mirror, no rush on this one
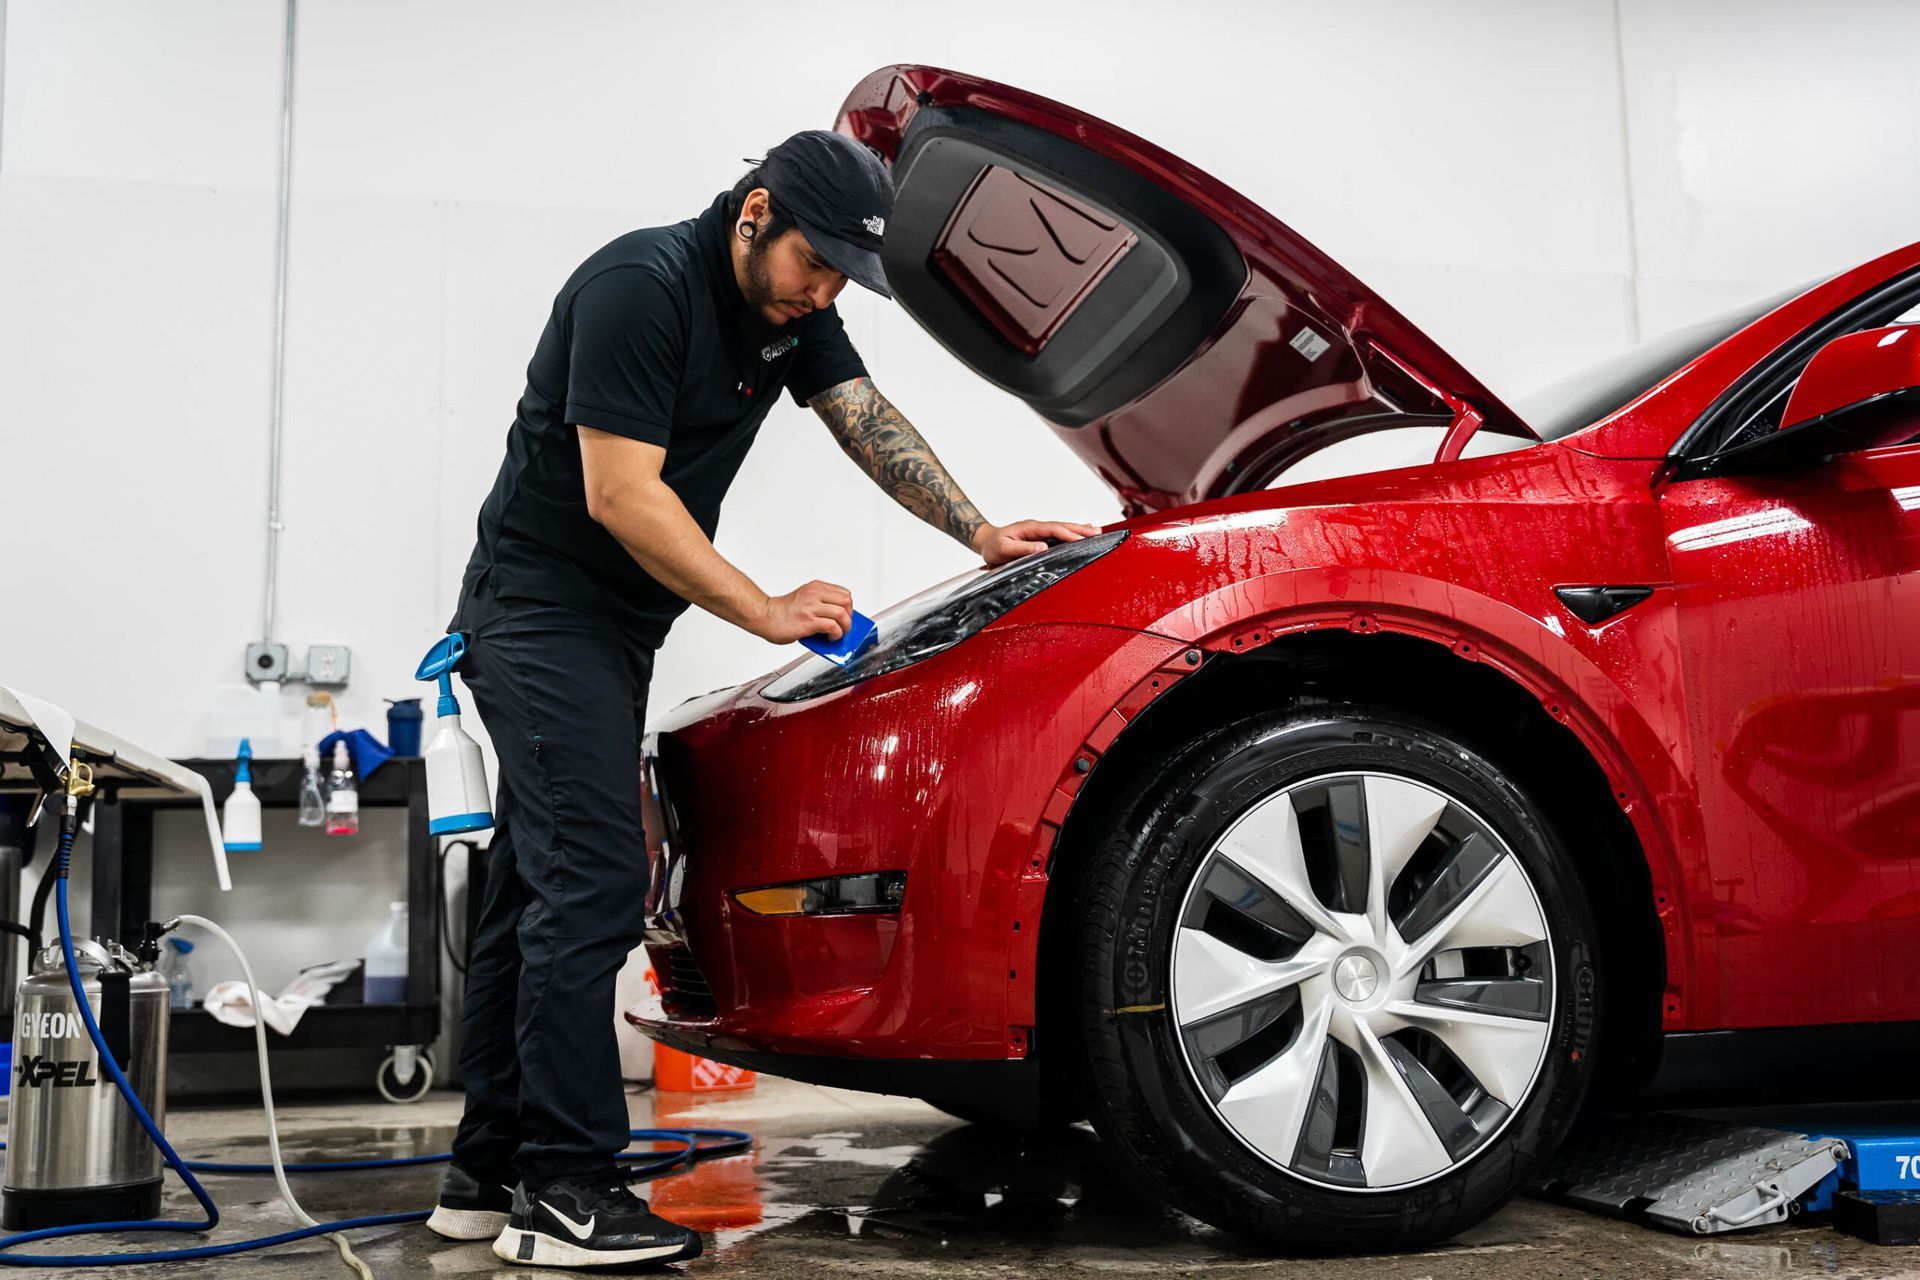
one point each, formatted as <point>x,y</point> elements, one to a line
<point>1860,391</point>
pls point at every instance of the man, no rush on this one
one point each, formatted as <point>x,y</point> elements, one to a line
<point>662,355</point>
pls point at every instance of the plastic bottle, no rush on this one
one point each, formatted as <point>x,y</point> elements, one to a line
<point>456,771</point>
<point>403,725</point>
<point>240,816</point>
<point>313,804</point>
<point>318,720</point>
<point>244,711</point>
<point>230,717</point>
<point>343,795</point>
<point>386,966</point>
<point>267,718</point>
<point>178,971</point>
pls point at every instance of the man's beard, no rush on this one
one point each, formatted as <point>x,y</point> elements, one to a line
<point>759,293</point>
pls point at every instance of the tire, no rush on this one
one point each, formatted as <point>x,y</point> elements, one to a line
<point>1290,1068</point>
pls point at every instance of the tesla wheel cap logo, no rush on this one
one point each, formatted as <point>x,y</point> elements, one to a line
<point>1355,978</point>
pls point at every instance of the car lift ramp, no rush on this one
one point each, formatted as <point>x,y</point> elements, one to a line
<point>1691,1175</point>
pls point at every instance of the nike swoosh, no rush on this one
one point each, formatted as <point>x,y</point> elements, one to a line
<point>580,1230</point>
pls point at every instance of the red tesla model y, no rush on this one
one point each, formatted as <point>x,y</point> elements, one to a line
<point>1326,844</point>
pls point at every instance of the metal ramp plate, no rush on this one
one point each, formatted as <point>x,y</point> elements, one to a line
<point>1700,1177</point>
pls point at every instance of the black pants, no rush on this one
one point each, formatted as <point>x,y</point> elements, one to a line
<point>563,695</point>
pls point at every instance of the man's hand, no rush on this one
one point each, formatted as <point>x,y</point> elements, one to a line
<point>817,609</point>
<point>998,544</point>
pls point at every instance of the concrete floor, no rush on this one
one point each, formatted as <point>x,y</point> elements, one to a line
<point>854,1184</point>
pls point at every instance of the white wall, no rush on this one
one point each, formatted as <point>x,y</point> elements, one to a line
<point>1535,183</point>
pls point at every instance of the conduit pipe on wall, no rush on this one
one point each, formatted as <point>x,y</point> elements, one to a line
<point>279,346</point>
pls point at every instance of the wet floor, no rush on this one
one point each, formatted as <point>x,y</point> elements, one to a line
<point>849,1184</point>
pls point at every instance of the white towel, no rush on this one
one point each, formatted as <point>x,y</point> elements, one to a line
<point>228,1001</point>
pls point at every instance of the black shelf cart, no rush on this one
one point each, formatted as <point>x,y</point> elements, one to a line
<point>122,895</point>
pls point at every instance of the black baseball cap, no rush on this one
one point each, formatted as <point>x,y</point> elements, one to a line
<point>840,194</point>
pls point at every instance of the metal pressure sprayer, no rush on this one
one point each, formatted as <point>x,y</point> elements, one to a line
<point>75,1150</point>
<point>456,771</point>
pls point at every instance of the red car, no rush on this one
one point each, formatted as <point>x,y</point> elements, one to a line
<point>1326,843</point>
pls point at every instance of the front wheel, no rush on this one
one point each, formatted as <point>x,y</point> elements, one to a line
<point>1339,982</point>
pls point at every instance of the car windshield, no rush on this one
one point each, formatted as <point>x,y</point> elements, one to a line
<point>1564,407</point>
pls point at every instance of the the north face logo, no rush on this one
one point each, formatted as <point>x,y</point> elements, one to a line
<point>875,224</point>
<point>774,350</point>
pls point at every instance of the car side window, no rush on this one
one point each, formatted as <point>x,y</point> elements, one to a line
<point>1764,416</point>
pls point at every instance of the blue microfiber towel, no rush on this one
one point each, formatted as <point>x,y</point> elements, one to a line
<point>368,752</point>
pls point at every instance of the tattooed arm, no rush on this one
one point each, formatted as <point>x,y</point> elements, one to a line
<point>886,446</point>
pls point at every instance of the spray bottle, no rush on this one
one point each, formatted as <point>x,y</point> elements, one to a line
<point>456,771</point>
<point>313,798</point>
<point>240,816</point>
<point>343,795</point>
<point>177,969</point>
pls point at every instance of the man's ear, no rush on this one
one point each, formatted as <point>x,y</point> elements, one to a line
<point>754,207</point>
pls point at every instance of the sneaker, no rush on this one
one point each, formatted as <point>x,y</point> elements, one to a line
<point>589,1222</point>
<point>470,1207</point>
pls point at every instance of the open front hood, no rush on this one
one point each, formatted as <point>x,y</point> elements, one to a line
<point>1184,342</point>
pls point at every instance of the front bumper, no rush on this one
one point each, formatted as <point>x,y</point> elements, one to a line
<point>957,770</point>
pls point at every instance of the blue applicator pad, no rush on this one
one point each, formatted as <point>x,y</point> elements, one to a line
<point>840,652</point>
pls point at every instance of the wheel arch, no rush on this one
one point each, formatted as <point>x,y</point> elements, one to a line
<point>1478,702</point>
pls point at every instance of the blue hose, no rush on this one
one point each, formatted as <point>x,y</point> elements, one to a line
<point>728,1140</point>
<point>731,1140</point>
<point>645,1162</point>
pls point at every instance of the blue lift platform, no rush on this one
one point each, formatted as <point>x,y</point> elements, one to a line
<point>1875,1192</point>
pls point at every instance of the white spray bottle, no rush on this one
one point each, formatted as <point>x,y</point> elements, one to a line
<point>456,771</point>
<point>240,816</point>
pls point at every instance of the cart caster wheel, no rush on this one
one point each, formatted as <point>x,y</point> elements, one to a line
<point>418,1073</point>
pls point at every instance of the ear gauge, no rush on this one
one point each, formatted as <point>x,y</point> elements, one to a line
<point>746,230</point>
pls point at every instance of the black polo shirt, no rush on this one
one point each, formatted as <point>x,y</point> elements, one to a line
<point>650,339</point>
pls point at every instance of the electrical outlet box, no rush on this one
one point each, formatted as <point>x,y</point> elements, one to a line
<point>266,660</point>
<point>328,665</point>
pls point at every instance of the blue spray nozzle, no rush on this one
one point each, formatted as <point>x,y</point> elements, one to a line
<point>245,754</point>
<point>439,664</point>
<point>443,657</point>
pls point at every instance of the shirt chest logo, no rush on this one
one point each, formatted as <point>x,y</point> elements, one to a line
<point>774,350</point>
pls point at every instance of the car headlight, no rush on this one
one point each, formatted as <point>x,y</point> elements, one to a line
<point>941,617</point>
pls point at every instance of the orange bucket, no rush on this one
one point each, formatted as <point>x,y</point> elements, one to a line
<point>677,1072</point>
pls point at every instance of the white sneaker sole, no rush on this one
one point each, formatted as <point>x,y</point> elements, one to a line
<point>466,1224</point>
<point>534,1248</point>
